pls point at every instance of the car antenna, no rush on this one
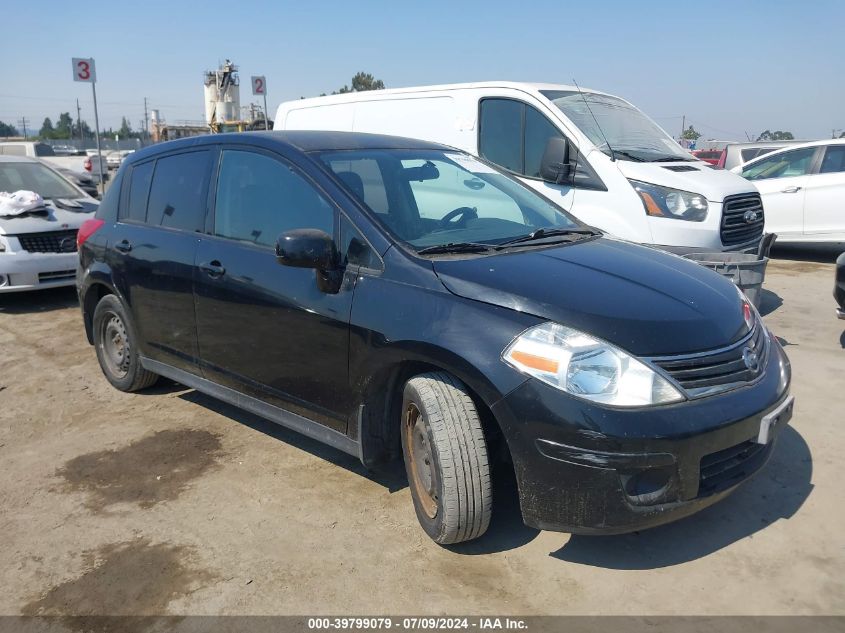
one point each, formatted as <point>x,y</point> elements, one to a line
<point>606,142</point>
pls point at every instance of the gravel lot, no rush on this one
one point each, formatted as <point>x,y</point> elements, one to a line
<point>171,502</point>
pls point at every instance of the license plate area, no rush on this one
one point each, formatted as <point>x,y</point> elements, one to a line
<point>775,420</point>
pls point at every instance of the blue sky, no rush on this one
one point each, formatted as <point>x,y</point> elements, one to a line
<point>731,67</point>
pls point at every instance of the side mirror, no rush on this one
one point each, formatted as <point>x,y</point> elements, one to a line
<point>306,248</point>
<point>555,165</point>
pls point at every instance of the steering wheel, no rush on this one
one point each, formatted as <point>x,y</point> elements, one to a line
<point>464,213</point>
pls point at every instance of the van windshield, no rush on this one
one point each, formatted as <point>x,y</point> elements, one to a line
<point>610,120</point>
<point>431,198</point>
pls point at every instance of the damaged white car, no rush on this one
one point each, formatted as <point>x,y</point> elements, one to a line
<point>38,232</point>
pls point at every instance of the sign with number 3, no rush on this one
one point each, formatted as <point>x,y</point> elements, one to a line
<point>83,69</point>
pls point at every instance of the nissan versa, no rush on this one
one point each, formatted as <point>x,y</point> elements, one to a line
<point>387,296</point>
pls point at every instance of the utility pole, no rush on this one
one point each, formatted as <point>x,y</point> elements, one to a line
<point>22,123</point>
<point>683,126</point>
<point>146,122</point>
<point>79,124</point>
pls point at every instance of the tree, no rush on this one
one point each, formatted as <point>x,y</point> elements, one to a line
<point>361,82</point>
<point>86,130</point>
<point>8,130</point>
<point>777,135</point>
<point>690,134</point>
<point>47,130</point>
<point>64,126</point>
<point>125,128</point>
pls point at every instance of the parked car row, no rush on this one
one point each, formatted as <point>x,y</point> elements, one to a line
<point>75,164</point>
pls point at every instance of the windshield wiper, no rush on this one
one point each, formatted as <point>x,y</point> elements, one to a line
<point>544,233</point>
<point>626,154</point>
<point>455,247</point>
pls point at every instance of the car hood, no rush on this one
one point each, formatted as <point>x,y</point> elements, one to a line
<point>56,219</point>
<point>713,184</point>
<point>641,299</point>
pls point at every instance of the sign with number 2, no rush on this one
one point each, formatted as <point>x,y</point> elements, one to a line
<point>259,86</point>
<point>83,69</point>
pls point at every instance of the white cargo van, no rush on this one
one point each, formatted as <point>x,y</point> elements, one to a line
<point>592,153</point>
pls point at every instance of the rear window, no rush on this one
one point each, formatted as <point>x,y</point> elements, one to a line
<point>178,193</point>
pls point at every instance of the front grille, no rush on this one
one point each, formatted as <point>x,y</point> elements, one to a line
<point>742,219</point>
<point>719,370</point>
<point>56,275</point>
<point>49,241</point>
<point>723,469</point>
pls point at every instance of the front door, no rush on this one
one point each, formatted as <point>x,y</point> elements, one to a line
<point>265,329</point>
<point>781,178</point>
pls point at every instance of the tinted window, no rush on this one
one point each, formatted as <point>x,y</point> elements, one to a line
<point>259,197</point>
<point>834,160</point>
<point>139,189</point>
<point>538,130</point>
<point>108,208</point>
<point>44,150</point>
<point>500,133</point>
<point>355,248</point>
<point>178,192</point>
<point>796,162</point>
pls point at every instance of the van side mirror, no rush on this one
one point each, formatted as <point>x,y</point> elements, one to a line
<point>555,165</point>
<point>307,248</point>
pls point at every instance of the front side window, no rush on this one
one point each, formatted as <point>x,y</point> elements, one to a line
<point>500,133</point>
<point>178,193</point>
<point>442,197</point>
<point>259,197</point>
<point>797,162</point>
<point>834,160</point>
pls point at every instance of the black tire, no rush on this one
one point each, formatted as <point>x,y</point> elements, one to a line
<point>446,458</point>
<point>117,350</point>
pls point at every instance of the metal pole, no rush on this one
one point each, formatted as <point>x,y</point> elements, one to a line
<point>266,120</point>
<point>683,126</point>
<point>79,123</point>
<point>97,136</point>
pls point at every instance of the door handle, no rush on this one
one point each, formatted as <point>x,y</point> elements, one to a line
<point>791,190</point>
<point>213,269</point>
<point>123,246</point>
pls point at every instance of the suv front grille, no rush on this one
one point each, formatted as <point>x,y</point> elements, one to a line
<point>49,241</point>
<point>722,469</point>
<point>719,370</point>
<point>742,219</point>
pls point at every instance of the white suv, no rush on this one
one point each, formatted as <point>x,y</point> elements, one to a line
<point>803,191</point>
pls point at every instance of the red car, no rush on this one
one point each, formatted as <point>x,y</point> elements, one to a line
<point>708,155</point>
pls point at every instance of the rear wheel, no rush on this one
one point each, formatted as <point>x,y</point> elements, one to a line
<point>446,458</point>
<point>116,345</point>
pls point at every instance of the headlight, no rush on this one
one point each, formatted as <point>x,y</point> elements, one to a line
<point>664,202</point>
<point>588,368</point>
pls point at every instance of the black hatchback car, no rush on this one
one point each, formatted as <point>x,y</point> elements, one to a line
<point>394,297</point>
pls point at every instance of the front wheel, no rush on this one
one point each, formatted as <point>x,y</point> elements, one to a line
<point>117,348</point>
<point>446,458</point>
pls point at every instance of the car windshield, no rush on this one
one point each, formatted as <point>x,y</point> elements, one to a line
<point>431,198</point>
<point>35,177</point>
<point>607,120</point>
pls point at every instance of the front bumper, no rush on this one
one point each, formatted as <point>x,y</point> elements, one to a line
<point>21,271</point>
<point>587,469</point>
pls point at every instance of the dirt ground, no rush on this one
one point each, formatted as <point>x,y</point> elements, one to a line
<point>171,502</point>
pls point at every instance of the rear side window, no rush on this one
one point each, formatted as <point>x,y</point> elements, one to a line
<point>834,160</point>
<point>42,149</point>
<point>259,197</point>
<point>178,193</point>
<point>135,209</point>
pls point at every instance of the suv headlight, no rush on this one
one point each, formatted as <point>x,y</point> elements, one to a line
<point>663,202</point>
<point>588,368</point>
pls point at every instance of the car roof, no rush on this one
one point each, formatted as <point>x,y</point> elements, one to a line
<point>302,140</point>
<point>794,146</point>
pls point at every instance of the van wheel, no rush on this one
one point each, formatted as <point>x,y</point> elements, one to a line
<point>117,351</point>
<point>446,458</point>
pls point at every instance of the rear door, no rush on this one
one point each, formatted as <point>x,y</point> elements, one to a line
<point>824,204</point>
<point>265,329</point>
<point>781,180</point>
<point>163,208</point>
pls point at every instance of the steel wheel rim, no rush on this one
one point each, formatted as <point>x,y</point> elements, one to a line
<point>421,460</point>
<point>114,342</point>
